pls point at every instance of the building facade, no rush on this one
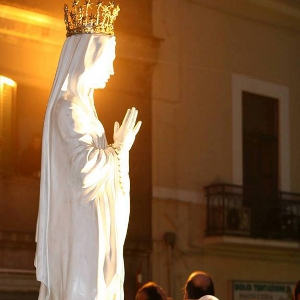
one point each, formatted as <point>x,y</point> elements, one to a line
<point>226,146</point>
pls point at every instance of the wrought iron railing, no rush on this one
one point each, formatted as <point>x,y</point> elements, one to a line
<point>231,211</point>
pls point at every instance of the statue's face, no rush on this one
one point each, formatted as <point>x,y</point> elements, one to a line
<point>100,72</point>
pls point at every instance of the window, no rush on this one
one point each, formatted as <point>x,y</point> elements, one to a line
<point>260,143</point>
<point>260,157</point>
<point>260,149</point>
<point>244,84</point>
<point>7,124</point>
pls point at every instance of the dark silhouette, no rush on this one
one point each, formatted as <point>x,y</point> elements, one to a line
<point>30,158</point>
<point>150,291</point>
<point>296,294</point>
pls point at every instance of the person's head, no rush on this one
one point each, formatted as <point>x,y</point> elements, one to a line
<point>296,295</point>
<point>150,291</point>
<point>198,285</point>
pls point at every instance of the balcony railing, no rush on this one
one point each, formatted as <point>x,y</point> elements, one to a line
<point>232,211</point>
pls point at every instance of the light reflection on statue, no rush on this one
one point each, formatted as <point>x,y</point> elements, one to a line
<point>84,197</point>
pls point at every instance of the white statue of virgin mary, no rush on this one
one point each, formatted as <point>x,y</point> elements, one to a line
<point>84,196</point>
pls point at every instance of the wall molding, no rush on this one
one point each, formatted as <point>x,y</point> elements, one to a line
<point>178,195</point>
<point>18,281</point>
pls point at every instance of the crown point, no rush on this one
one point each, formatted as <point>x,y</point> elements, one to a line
<point>88,3</point>
<point>75,3</point>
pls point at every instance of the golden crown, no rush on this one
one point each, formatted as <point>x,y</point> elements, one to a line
<point>82,19</point>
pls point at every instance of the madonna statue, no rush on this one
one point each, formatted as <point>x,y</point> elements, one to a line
<point>84,195</point>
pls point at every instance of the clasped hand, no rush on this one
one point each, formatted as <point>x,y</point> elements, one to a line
<point>124,135</point>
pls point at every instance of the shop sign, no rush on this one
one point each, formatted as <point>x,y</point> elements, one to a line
<point>254,290</point>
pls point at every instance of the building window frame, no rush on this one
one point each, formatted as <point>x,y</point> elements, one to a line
<point>242,83</point>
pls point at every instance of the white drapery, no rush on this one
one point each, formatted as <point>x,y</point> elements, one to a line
<point>83,212</point>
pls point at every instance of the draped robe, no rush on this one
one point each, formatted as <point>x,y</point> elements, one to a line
<point>83,212</point>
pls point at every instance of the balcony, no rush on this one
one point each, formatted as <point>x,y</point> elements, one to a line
<point>232,212</point>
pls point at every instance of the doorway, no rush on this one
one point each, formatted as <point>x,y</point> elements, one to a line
<point>260,160</point>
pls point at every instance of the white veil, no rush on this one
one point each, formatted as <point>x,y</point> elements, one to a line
<point>78,54</point>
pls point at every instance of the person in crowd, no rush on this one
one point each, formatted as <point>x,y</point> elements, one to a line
<point>150,291</point>
<point>199,285</point>
<point>296,294</point>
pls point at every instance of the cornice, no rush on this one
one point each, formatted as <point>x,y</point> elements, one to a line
<point>259,249</point>
<point>281,8</point>
<point>269,12</point>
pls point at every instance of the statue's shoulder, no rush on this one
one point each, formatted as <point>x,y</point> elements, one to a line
<point>63,103</point>
<point>69,111</point>
<point>62,108</point>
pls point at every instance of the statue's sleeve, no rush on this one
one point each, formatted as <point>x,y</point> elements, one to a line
<point>96,168</point>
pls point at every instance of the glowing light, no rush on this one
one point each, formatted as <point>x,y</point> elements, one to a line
<point>25,24</point>
<point>29,17</point>
<point>7,81</point>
